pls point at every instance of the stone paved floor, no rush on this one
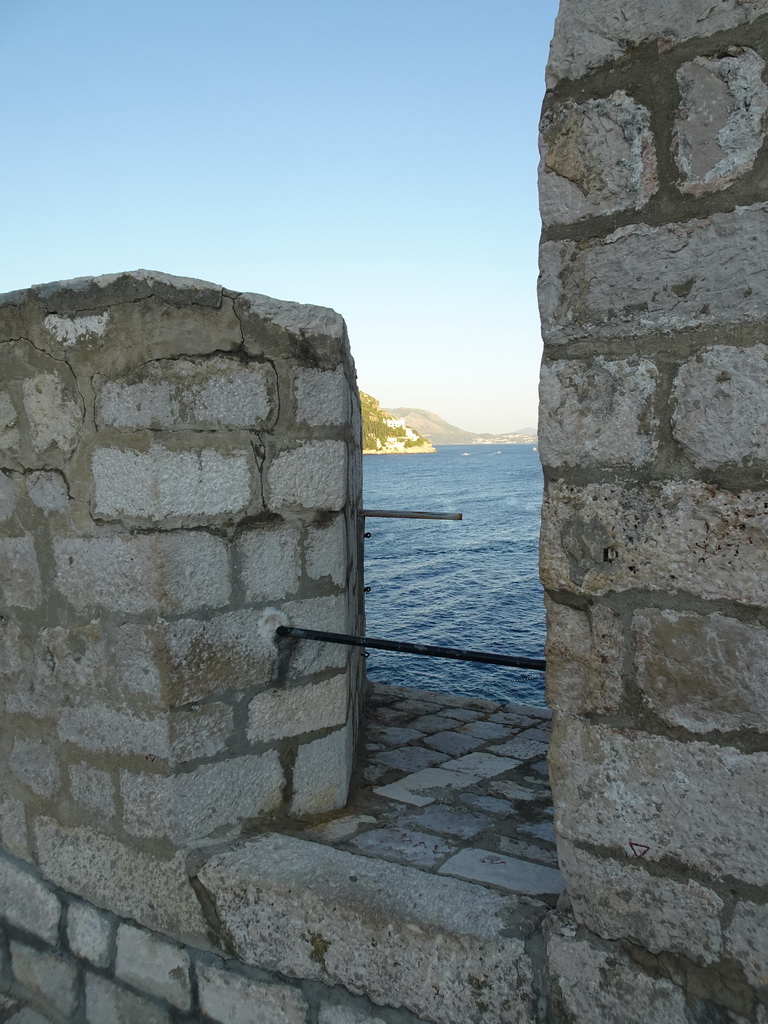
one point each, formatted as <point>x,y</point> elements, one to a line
<point>454,786</point>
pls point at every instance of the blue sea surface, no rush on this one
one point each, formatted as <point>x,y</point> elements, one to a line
<point>471,584</point>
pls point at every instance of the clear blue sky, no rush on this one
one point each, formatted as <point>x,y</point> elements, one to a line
<point>377,156</point>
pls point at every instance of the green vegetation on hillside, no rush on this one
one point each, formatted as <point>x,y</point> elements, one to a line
<point>377,427</point>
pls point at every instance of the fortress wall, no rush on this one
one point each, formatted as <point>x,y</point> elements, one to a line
<point>654,409</point>
<point>177,459</point>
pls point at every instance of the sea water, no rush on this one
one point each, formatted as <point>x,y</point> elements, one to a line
<point>471,584</point>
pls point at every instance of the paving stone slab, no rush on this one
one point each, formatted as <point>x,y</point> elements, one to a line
<point>543,830</point>
<point>397,791</point>
<point>439,778</point>
<point>527,851</point>
<point>513,791</point>
<point>449,821</point>
<point>486,730</point>
<point>416,707</point>
<point>507,872</point>
<point>452,743</point>
<point>429,723</point>
<point>512,720</point>
<point>487,803</point>
<point>339,828</point>
<point>484,765</point>
<point>411,759</point>
<point>395,736</point>
<point>521,748</point>
<point>527,709</point>
<point>461,714</point>
<point>418,848</point>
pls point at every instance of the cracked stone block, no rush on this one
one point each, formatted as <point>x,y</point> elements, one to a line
<point>322,397</point>
<point>643,280</point>
<point>275,714</point>
<point>34,764</point>
<point>623,901</point>
<point>325,551</point>
<point>153,965</point>
<point>686,536</point>
<point>747,941</point>
<point>593,32</point>
<point>109,1003</point>
<point>89,934</point>
<point>702,672</point>
<point>504,871</point>
<point>418,848</point>
<point>321,773</point>
<point>28,904</point>
<point>584,650</point>
<point>48,490</point>
<point>721,122</point>
<point>169,573</point>
<point>359,915</point>
<point>598,412</point>
<point>598,985</point>
<point>313,475</point>
<point>49,976</point>
<point>230,999</point>
<point>656,797</point>
<point>720,414</point>
<point>54,414</point>
<point>270,560</point>
<point>160,485</point>
<point>20,585</point>
<point>597,157</point>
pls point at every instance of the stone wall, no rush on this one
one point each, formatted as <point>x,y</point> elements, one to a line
<point>180,473</point>
<point>654,302</point>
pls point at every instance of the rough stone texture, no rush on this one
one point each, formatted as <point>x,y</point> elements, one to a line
<point>589,33</point>
<point>702,672</point>
<point>153,965</point>
<point>721,123</point>
<point>47,490</point>
<point>34,763</point>
<point>53,413</point>
<point>108,1003</point>
<point>721,411</point>
<point>521,876</point>
<point>322,398</point>
<point>600,985</point>
<point>321,773</point>
<point>326,552</point>
<point>657,913</point>
<point>89,934</point>
<point>162,484</point>
<point>690,536</point>
<point>19,573</point>
<point>696,803</point>
<point>27,904</point>
<point>99,727</point>
<point>641,280</point>
<point>270,563</point>
<point>381,934</point>
<point>275,714</point>
<point>231,999</point>
<point>200,730</point>
<point>121,878</point>
<point>583,658</point>
<point>598,413</point>
<point>314,475</point>
<point>747,941</point>
<point>48,976</point>
<point>597,157</point>
<point>343,1015</point>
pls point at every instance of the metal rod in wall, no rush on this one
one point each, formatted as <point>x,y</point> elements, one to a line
<point>401,646</point>
<point>377,513</point>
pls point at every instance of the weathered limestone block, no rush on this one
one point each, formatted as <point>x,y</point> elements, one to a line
<point>589,33</point>
<point>689,536</point>
<point>7,497</point>
<point>54,419</point>
<point>121,878</point>
<point>331,1014</point>
<point>602,985</point>
<point>313,475</point>
<point>702,672</point>
<point>380,934</point>
<point>275,714</point>
<point>195,804</point>
<point>231,999</point>
<point>165,486</point>
<point>33,763</point>
<point>329,614</point>
<point>13,826</point>
<point>203,395</point>
<point>325,551</point>
<point>47,975</point>
<point>48,490</point>
<point>322,397</point>
<point>721,122</point>
<point>108,1003</point>
<point>19,572</point>
<point>93,789</point>
<point>747,942</point>
<point>96,726</point>
<point>721,406</point>
<point>173,572</point>
<point>699,804</point>
<point>584,651</point>
<point>598,412</point>
<point>200,730</point>
<point>276,325</point>
<point>89,934</point>
<point>270,562</point>
<point>642,280</point>
<point>597,157</point>
<point>623,901</point>
<point>9,433</point>
<point>28,904</point>
<point>321,773</point>
<point>153,965</point>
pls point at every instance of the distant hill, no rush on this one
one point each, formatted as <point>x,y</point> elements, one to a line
<point>384,434</point>
<point>439,431</point>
